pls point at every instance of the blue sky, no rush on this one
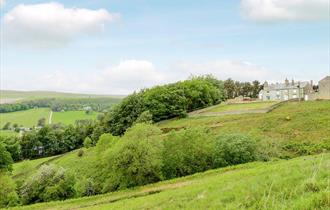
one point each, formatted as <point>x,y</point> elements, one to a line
<point>118,46</point>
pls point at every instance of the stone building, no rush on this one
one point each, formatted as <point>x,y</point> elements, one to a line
<point>324,88</point>
<point>286,91</point>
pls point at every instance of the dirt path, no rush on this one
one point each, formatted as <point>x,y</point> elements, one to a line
<point>50,117</point>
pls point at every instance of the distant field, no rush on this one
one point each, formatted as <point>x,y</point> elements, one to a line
<point>242,106</point>
<point>300,183</point>
<point>27,118</point>
<point>6,133</point>
<point>70,117</point>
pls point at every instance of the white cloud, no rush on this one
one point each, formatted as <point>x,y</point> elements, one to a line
<point>285,10</point>
<point>2,2</point>
<point>51,24</point>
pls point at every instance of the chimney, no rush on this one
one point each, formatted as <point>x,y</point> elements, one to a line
<point>292,82</point>
<point>286,82</point>
<point>312,83</point>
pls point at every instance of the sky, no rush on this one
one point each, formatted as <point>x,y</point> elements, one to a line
<point>121,46</point>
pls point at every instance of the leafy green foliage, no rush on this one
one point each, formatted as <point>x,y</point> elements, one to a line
<point>135,159</point>
<point>87,142</point>
<point>233,149</point>
<point>145,117</point>
<point>6,160</point>
<point>164,102</point>
<point>49,183</point>
<point>8,195</point>
<point>187,151</point>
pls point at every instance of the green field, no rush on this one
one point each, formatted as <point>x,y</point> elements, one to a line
<point>70,117</point>
<point>27,118</point>
<point>293,129</point>
<point>300,183</point>
<point>242,106</point>
<point>7,133</point>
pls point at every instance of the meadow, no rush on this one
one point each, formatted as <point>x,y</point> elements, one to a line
<point>300,183</point>
<point>27,118</point>
<point>240,106</point>
<point>70,117</point>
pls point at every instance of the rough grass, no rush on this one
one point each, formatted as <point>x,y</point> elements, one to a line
<point>298,126</point>
<point>70,117</point>
<point>239,107</point>
<point>27,118</point>
<point>300,183</point>
<point>7,133</point>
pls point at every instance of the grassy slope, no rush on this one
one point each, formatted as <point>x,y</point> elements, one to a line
<point>27,118</point>
<point>242,106</point>
<point>300,183</point>
<point>309,121</point>
<point>7,133</point>
<point>70,117</point>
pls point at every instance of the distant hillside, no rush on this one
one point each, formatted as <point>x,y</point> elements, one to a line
<point>10,96</point>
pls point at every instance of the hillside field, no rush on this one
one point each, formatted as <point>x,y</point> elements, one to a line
<point>27,118</point>
<point>240,106</point>
<point>300,183</point>
<point>291,130</point>
<point>70,117</point>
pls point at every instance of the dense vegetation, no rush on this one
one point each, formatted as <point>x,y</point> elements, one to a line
<point>165,102</point>
<point>62,104</point>
<point>300,183</point>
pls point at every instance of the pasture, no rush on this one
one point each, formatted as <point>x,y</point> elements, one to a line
<point>70,117</point>
<point>300,183</point>
<point>26,118</point>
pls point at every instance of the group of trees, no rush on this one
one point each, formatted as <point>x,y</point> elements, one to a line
<point>51,140</point>
<point>235,88</point>
<point>164,102</point>
<point>62,104</point>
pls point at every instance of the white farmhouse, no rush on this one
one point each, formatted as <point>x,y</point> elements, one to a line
<point>286,91</point>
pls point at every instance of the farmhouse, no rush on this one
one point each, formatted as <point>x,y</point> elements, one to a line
<point>286,91</point>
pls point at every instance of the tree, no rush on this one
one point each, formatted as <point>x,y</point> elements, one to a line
<point>49,183</point>
<point>233,149</point>
<point>136,159</point>
<point>6,160</point>
<point>42,122</point>
<point>6,126</point>
<point>145,117</point>
<point>256,88</point>
<point>187,152</point>
<point>87,142</point>
<point>8,195</point>
<point>229,87</point>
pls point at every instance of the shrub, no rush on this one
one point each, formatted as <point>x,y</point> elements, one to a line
<point>136,159</point>
<point>187,152</point>
<point>80,153</point>
<point>85,187</point>
<point>145,117</point>
<point>49,183</point>
<point>105,142</point>
<point>8,195</point>
<point>87,142</point>
<point>5,159</point>
<point>233,149</point>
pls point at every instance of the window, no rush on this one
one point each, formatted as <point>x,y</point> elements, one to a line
<point>295,91</point>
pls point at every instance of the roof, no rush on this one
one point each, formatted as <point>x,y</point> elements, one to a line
<point>281,86</point>
<point>325,78</point>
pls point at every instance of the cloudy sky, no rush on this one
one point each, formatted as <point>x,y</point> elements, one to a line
<point>118,46</point>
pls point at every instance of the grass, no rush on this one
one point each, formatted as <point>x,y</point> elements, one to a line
<point>7,133</point>
<point>306,122</point>
<point>27,118</point>
<point>300,183</point>
<point>70,117</point>
<point>242,106</point>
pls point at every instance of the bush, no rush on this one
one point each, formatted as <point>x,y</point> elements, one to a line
<point>85,187</point>
<point>8,195</point>
<point>49,183</point>
<point>87,142</point>
<point>80,153</point>
<point>187,152</point>
<point>145,117</point>
<point>5,159</point>
<point>105,142</point>
<point>233,149</point>
<point>136,159</point>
